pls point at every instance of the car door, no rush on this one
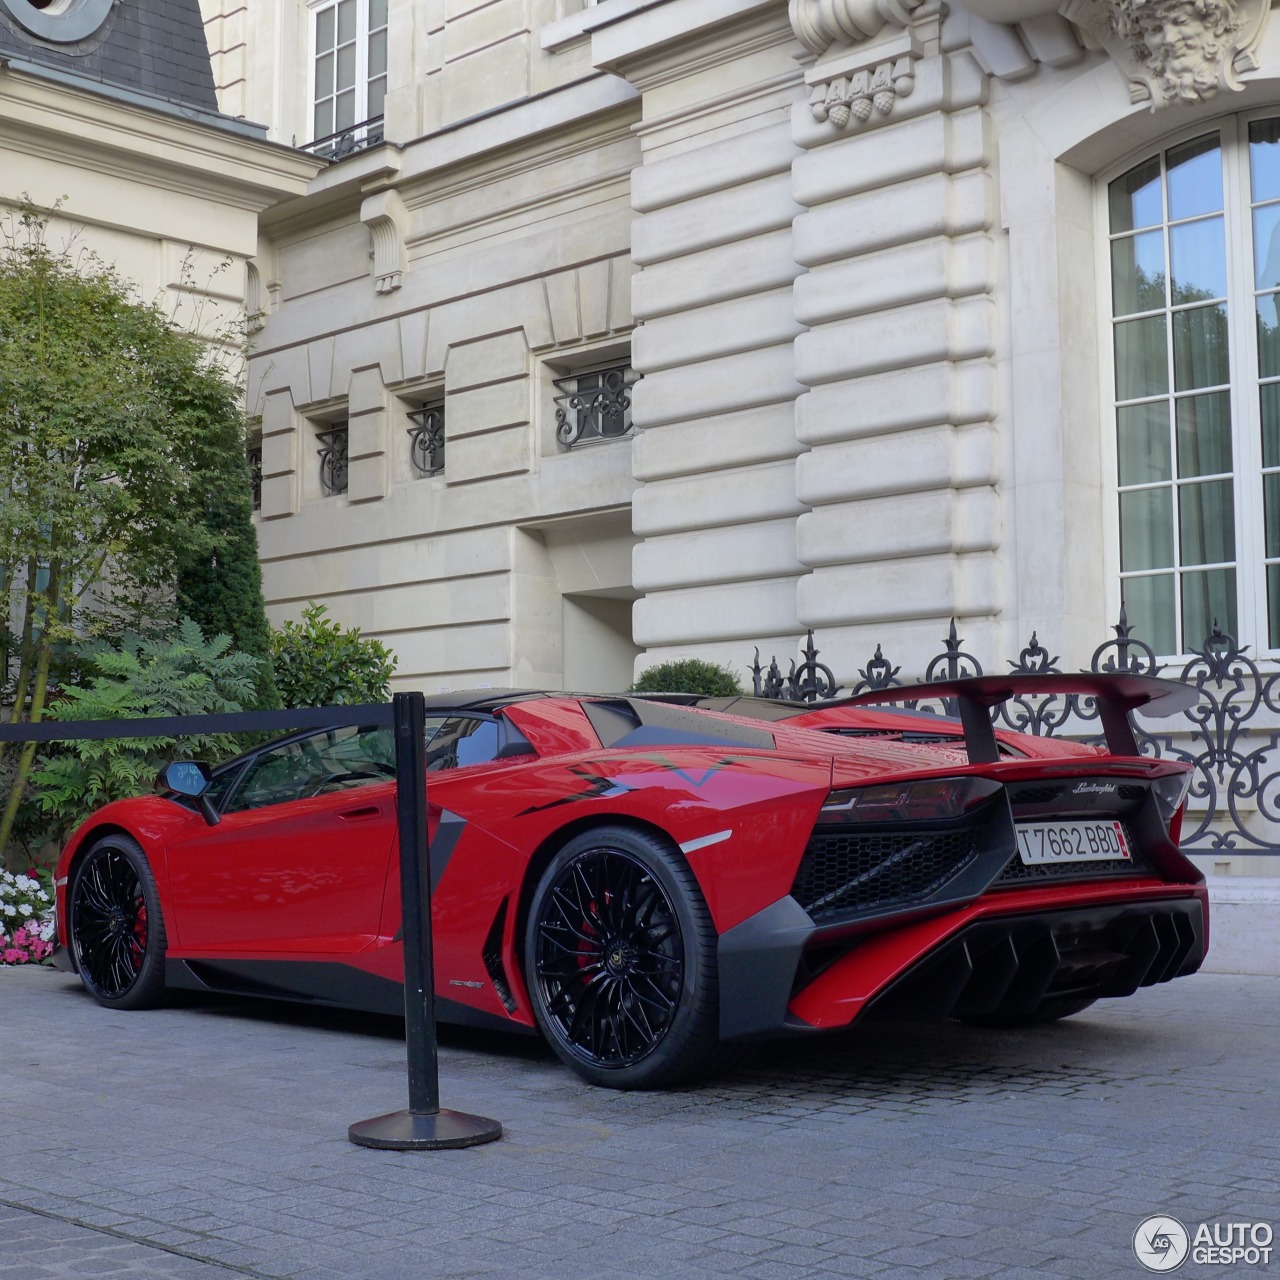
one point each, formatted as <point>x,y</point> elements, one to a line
<point>466,752</point>
<point>298,863</point>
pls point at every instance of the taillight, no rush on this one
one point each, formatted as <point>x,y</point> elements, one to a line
<point>1171,795</point>
<point>920,801</point>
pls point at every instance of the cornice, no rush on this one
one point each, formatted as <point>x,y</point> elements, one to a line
<point>101,132</point>
<point>653,45</point>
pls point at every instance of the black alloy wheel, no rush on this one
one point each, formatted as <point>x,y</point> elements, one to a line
<point>620,958</point>
<point>117,929</point>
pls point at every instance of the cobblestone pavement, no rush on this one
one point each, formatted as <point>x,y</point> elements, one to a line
<point>209,1140</point>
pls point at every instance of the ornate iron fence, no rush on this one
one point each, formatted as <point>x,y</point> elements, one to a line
<point>1231,738</point>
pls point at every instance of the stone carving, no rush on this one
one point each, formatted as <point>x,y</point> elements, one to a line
<point>384,214</point>
<point>1174,50</point>
<point>879,87</point>
<point>818,24</point>
<point>865,53</point>
<point>254,316</point>
<point>1169,50</point>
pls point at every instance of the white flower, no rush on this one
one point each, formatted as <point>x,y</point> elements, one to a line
<point>7,909</point>
<point>24,908</point>
<point>27,884</point>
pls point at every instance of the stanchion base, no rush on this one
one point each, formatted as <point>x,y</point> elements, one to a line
<point>414,1131</point>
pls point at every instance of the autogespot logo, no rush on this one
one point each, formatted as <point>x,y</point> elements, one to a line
<point>1162,1243</point>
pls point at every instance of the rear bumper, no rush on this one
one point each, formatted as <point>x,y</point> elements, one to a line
<point>1004,969</point>
<point>999,955</point>
<point>61,958</point>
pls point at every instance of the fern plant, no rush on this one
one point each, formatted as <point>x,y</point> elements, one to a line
<point>182,675</point>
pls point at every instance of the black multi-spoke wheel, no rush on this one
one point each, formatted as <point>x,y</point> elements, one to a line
<point>117,931</point>
<point>620,959</point>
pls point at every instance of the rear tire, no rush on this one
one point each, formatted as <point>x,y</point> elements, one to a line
<point>620,961</point>
<point>116,925</point>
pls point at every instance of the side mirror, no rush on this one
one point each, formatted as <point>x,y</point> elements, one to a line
<point>191,778</point>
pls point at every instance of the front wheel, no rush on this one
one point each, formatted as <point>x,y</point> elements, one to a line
<point>620,957</point>
<point>116,926</point>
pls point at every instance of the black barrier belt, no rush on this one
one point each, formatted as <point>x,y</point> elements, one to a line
<point>425,1125</point>
<point>370,714</point>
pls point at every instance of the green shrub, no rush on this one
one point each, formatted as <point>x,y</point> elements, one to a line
<point>320,664</point>
<point>180,676</point>
<point>689,675</point>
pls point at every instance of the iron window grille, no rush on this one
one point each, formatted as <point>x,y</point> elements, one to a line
<point>333,460</point>
<point>594,407</point>
<point>254,455</point>
<point>426,440</point>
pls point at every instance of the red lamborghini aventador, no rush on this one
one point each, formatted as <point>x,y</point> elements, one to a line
<point>648,884</point>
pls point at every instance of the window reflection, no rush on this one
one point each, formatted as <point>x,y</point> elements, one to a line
<point>1172,378</point>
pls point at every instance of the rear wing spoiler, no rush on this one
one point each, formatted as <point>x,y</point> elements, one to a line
<point>1116,696</point>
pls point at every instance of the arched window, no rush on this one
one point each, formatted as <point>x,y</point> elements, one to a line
<point>1194,235</point>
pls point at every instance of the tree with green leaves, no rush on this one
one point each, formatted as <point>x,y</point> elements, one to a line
<point>107,418</point>
<point>220,581</point>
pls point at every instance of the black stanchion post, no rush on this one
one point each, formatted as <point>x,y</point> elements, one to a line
<point>424,1126</point>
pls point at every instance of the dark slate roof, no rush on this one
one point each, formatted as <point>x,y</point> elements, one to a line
<point>154,47</point>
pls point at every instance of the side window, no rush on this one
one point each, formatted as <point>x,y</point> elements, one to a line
<point>460,741</point>
<point>332,760</point>
<point>222,784</point>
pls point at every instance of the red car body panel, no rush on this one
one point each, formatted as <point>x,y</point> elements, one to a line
<point>312,881</point>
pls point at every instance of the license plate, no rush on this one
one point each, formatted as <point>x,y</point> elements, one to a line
<point>1041,842</point>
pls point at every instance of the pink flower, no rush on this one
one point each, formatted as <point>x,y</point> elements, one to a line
<point>20,938</point>
<point>14,956</point>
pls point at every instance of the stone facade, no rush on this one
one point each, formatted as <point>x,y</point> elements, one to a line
<point>857,254</point>
<point>108,114</point>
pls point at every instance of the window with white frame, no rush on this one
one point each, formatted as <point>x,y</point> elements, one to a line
<point>1194,234</point>
<point>349,66</point>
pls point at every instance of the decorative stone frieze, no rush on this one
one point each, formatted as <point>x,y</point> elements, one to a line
<point>866,52</point>
<point>869,88</point>
<point>1174,50</point>
<point>1168,50</point>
